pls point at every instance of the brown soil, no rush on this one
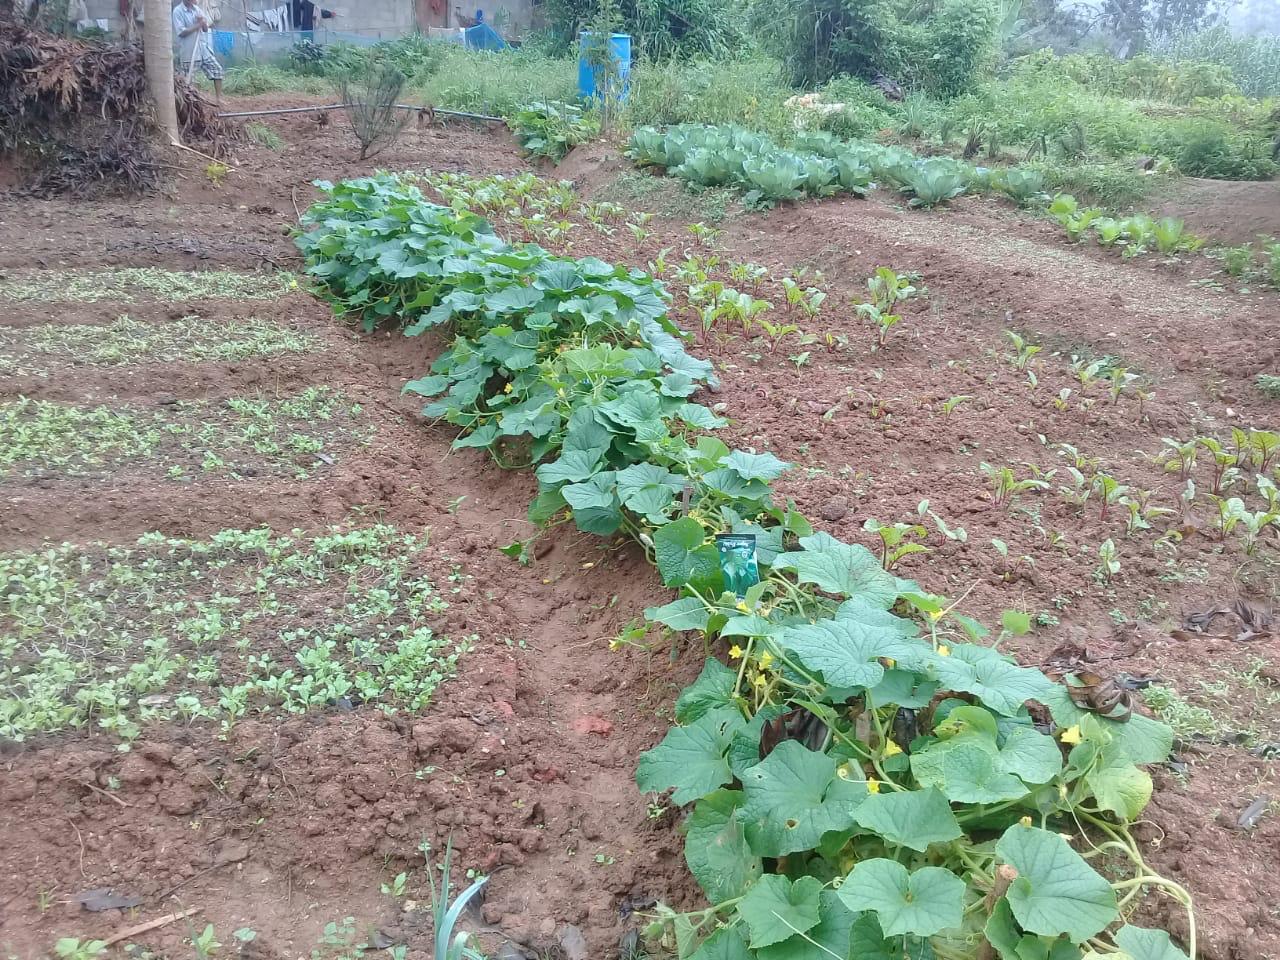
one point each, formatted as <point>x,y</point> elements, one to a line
<point>288,824</point>
<point>1226,211</point>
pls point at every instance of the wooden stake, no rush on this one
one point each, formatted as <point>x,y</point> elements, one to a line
<point>150,925</point>
<point>1005,875</point>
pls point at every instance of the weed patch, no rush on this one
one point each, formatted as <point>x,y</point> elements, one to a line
<point>35,351</point>
<point>238,437</point>
<point>661,196</point>
<point>143,283</point>
<point>263,135</point>
<point>114,637</point>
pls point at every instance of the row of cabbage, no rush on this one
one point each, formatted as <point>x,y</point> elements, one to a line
<point>817,164</point>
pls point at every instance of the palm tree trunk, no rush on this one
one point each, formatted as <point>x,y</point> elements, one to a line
<point>157,48</point>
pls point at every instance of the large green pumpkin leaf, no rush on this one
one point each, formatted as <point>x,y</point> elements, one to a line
<point>867,940</point>
<point>847,652</point>
<point>1031,755</point>
<point>725,944</point>
<point>831,937</point>
<point>1001,931</point>
<point>1121,788</point>
<point>716,847</point>
<point>595,506</point>
<point>1056,891</point>
<point>713,689</point>
<point>912,818</point>
<point>966,770</point>
<point>922,902</point>
<point>775,908</point>
<point>1142,739</point>
<point>983,672</point>
<point>691,759</point>
<point>756,466</point>
<point>687,613</point>
<point>841,568</point>
<point>793,797</point>
<point>683,554</point>
<point>573,466</point>
<point>1143,944</point>
<point>653,503</point>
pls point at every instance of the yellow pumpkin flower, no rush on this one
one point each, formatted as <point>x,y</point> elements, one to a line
<point>507,388</point>
<point>766,658</point>
<point>1071,735</point>
<point>944,650</point>
<point>891,749</point>
<point>735,652</point>
<point>742,605</point>
<point>759,680</point>
<point>873,785</point>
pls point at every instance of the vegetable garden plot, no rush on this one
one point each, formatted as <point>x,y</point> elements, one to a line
<point>174,629</point>
<point>141,283</point>
<point>905,783</point>
<point>41,350</point>
<point>295,435</point>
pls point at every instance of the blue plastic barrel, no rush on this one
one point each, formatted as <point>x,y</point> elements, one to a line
<point>620,48</point>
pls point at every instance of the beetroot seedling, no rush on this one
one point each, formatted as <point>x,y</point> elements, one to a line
<point>1109,491</point>
<point>1005,485</point>
<point>1225,473</point>
<point>777,333</point>
<point>897,540</point>
<point>1140,511</point>
<point>884,322</point>
<point>1179,457</point>
<point>1024,352</point>
<point>1110,561</point>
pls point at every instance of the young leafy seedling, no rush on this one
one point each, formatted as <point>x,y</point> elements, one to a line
<point>897,540</point>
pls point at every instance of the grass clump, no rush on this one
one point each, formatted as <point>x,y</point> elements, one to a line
<point>237,437</point>
<point>264,136</point>
<point>34,351</point>
<point>169,629</point>
<point>143,283</point>
<point>266,78</point>
<point>749,93</point>
<point>497,83</point>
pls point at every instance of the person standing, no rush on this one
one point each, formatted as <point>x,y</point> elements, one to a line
<point>191,29</point>
<point>304,17</point>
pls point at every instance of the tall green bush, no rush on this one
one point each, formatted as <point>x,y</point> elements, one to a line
<point>941,51</point>
<point>1254,61</point>
<point>660,29</point>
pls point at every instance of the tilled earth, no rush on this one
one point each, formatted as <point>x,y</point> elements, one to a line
<point>284,824</point>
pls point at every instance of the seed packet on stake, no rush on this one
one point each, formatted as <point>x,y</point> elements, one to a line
<point>738,561</point>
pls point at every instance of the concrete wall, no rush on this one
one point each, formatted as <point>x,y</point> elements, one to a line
<point>371,19</point>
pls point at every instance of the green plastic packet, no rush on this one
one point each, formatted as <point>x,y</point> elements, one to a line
<point>738,561</point>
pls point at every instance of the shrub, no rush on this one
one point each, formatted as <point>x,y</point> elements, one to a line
<point>941,51</point>
<point>371,94</point>
<point>499,83</point>
<point>1212,154</point>
<point>1111,183</point>
<point>661,29</point>
<point>750,93</point>
<point>1254,61</point>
